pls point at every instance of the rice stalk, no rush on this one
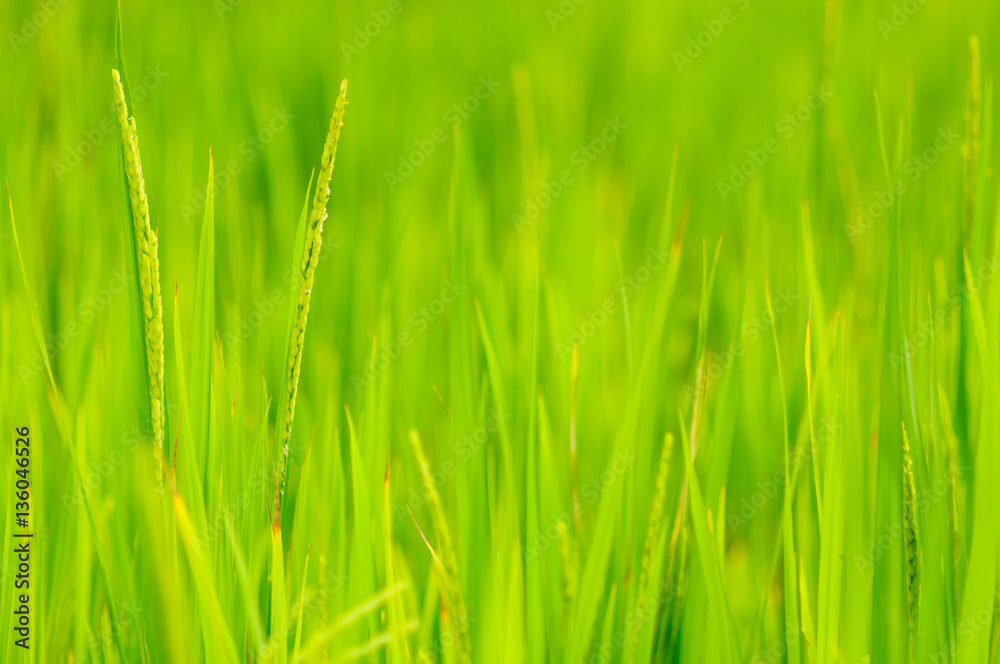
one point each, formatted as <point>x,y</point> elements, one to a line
<point>148,267</point>
<point>307,272</point>
<point>911,537</point>
<point>449,562</point>
<point>571,567</point>
<point>653,529</point>
<point>812,429</point>
<point>971,146</point>
<point>676,570</point>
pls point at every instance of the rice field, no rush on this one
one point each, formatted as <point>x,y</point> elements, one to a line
<point>569,331</point>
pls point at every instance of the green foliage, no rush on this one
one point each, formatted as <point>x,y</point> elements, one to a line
<point>638,442</point>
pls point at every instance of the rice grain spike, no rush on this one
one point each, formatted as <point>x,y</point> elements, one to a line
<point>971,145</point>
<point>653,529</point>
<point>911,542</point>
<point>447,551</point>
<point>307,272</point>
<point>148,263</point>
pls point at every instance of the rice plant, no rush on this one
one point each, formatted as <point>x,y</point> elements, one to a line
<point>637,332</point>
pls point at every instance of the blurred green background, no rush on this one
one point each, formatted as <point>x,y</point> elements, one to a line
<point>255,84</point>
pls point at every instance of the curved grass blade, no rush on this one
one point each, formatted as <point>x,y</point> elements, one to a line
<point>446,549</point>
<point>203,334</point>
<point>535,606</point>
<point>889,601</point>
<point>205,584</point>
<point>791,607</point>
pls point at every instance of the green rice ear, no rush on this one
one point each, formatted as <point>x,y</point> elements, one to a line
<point>449,561</point>
<point>139,361</point>
<point>311,232</point>
<point>911,542</point>
<point>889,640</point>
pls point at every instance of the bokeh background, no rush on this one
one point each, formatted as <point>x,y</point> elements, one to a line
<point>254,84</point>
